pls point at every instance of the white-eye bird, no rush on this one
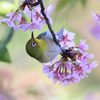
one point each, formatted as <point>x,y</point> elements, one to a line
<point>43,48</point>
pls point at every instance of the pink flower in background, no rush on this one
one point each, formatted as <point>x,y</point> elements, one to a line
<point>96,17</point>
<point>96,31</point>
<point>49,9</point>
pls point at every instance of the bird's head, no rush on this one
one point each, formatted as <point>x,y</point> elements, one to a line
<point>35,47</point>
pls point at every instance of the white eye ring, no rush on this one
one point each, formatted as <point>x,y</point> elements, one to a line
<point>33,44</point>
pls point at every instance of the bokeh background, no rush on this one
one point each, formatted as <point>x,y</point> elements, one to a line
<point>22,79</point>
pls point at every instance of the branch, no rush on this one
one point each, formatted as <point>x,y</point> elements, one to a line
<point>28,2</point>
<point>49,25</point>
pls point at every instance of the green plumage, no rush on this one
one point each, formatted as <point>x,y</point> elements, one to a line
<point>43,48</point>
<point>35,52</point>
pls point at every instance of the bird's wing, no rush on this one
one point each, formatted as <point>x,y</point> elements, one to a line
<point>47,35</point>
<point>59,34</point>
<point>41,35</point>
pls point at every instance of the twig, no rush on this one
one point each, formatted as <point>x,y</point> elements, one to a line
<point>49,25</point>
<point>47,21</point>
<point>28,2</point>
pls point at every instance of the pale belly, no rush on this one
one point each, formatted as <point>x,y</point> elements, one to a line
<point>50,54</point>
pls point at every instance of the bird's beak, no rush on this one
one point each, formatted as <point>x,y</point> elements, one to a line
<point>32,37</point>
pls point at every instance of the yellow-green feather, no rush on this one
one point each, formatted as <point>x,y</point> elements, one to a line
<point>41,43</point>
<point>37,51</point>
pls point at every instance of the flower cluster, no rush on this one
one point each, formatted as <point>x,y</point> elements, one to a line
<point>36,22</point>
<point>96,29</point>
<point>72,68</point>
<point>74,62</point>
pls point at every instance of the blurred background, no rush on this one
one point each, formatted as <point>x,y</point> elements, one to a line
<point>22,78</point>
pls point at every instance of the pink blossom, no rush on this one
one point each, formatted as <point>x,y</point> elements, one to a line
<point>85,58</point>
<point>48,12</point>
<point>79,73</point>
<point>68,70</point>
<point>68,40</point>
<point>96,17</point>
<point>14,16</point>
<point>38,9</point>
<point>83,46</point>
<point>29,12</point>
<point>90,66</point>
<point>95,31</point>
<point>68,79</point>
<point>61,71</point>
<point>35,25</point>
<point>8,22</point>
<point>46,68</point>
<point>40,18</point>
<point>31,26</point>
<point>37,19</point>
<point>49,9</point>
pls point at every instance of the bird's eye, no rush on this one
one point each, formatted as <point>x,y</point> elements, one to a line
<point>34,44</point>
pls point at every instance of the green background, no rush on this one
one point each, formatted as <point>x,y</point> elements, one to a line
<point>27,81</point>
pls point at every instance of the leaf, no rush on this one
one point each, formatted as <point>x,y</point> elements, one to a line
<point>4,55</point>
<point>84,2</point>
<point>6,7</point>
<point>16,4</point>
<point>62,3</point>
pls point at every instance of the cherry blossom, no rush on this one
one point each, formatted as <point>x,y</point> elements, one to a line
<point>67,41</point>
<point>30,13</point>
<point>36,22</point>
<point>96,17</point>
<point>95,31</point>
<point>13,16</point>
<point>83,46</point>
<point>69,70</point>
<point>8,22</point>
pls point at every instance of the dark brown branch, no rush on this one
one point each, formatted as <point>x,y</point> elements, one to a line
<point>28,2</point>
<point>48,23</point>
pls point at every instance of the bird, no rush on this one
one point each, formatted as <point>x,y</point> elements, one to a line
<point>43,48</point>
